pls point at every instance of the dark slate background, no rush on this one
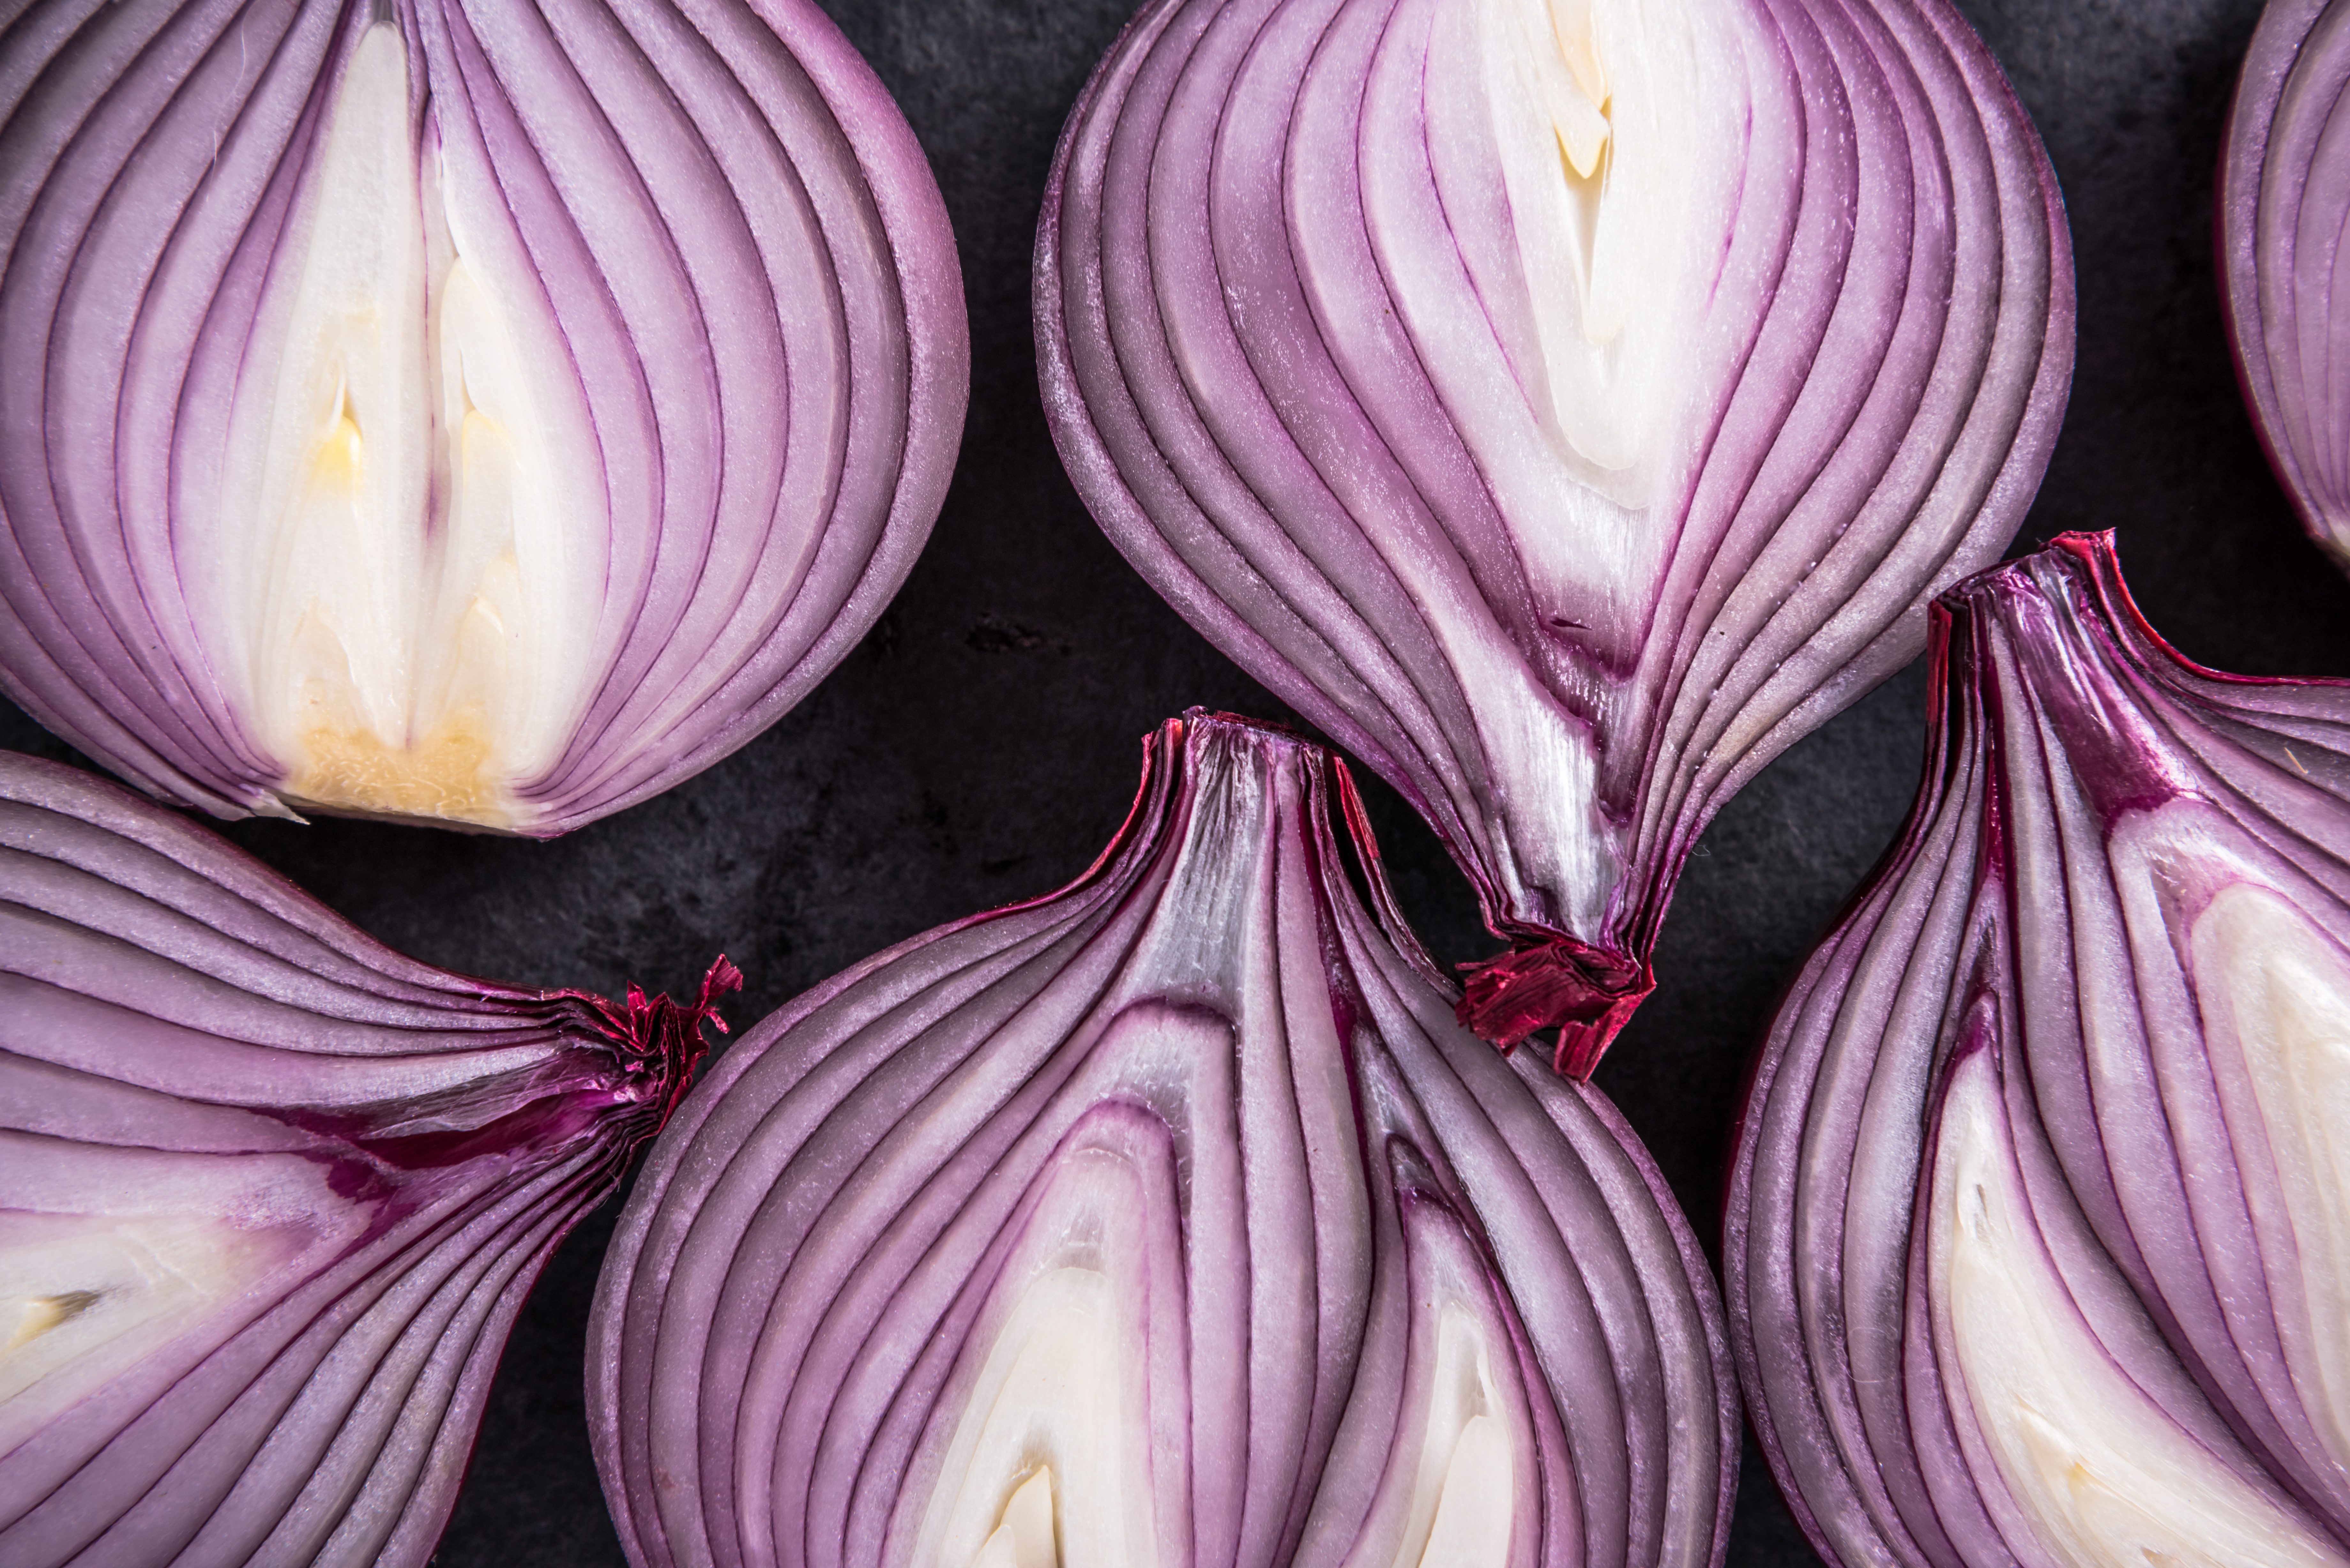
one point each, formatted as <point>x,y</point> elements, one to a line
<point>980,745</point>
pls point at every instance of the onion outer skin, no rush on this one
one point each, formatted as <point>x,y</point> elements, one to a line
<point>2281,210</point>
<point>1239,343</point>
<point>297,1185</point>
<point>784,1328</point>
<point>707,611</point>
<point>2038,949</point>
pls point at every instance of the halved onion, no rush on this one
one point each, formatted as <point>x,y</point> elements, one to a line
<point>2284,202</point>
<point>454,409</point>
<point>2038,1243</point>
<point>1565,404</point>
<point>270,1195</point>
<point>1173,1220</point>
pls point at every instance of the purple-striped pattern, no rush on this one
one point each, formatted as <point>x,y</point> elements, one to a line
<point>2029,951</point>
<point>373,1159</point>
<point>1210,1065</point>
<point>740,245</point>
<point>1288,348</point>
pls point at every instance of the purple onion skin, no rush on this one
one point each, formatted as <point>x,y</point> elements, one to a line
<point>1284,336</point>
<point>2029,952</point>
<point>2283,204</point>
<point>349,1167</point>
<point>737,275</point>
<point>815,1263</point>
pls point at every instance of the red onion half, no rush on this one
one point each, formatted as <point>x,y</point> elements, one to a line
<point>1564,405</point>
<point>270,1195</point>
<point>2038,1244</point>
<point>1171,1219</point>
<point>473,410</point>
<point>2284,199</point>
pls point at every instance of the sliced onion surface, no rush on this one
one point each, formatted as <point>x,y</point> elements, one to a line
<point>270,1194</point>
<point>1168,1219</point>
<point>2284,202</point>
<point>1565,404</point>
<point>2038,1243</point>
<point>457,410</point>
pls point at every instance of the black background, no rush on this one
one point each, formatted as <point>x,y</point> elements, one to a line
<point>980,744</point>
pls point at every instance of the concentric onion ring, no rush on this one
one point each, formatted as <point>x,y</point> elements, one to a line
<point>2282,205</point>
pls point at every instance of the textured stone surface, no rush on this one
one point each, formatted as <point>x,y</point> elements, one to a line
<point>983,744</point>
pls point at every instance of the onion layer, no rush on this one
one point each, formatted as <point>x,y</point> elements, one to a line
<point>1171,1219</point>
<point>2038,1243</point>
<point>2284,203</point>
<point>273,1194</point>
<point>1565,404</point>
<point>454,409</point>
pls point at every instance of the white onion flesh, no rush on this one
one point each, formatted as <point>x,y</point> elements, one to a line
<point>2276,989</point>
<point>399,490</point>
<point>2099,1476</point>
<point>270,1195</point>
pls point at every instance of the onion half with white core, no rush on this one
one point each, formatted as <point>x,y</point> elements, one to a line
<point>2283,204</point>
<point>1564,404</point>
<point>270,1194</point>
<point>2038,1240</point>
<point>454,409</point>
<point>1170,1219</point>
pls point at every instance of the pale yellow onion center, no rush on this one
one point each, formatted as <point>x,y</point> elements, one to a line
<point>1050,1460</point>
<point>1600,120</point>
<point>2269,978</point>
<point>85,1297</point>
<point>2102,1477</point>
<point>405,488</point>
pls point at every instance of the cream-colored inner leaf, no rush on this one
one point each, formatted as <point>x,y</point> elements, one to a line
<point>2102,1476</point>
<point>1600,120</point>
<point>406,488</point>
<point>1464,1492</point>
<point>2287,990</point>
<point>83,1297</point>
<point>1048,1464</point>
<point>1024,1539</point>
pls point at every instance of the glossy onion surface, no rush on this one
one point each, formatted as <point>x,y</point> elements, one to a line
<point>1173,1220</point>
<point>1564,405</point>
<point>2284,202</point>
<point>470,410</point>
<point>2038,1246</point>
<point>270,1194</point>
